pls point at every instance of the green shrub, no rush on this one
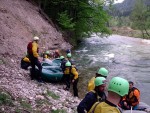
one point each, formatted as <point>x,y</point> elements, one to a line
<point>58,111</point>
<point>53,95</point>
<point>5,99</point>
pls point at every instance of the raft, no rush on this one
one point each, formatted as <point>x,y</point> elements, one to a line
<point>51,71</point>
<point>143,108</point>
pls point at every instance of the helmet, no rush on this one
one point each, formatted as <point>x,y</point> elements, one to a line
<point>69,55</point>
<point>47,52</point>
<point>36,38</point>
<point>62,57</point>
<point>68,51</point>
<point>102,71</point>
<point>99,81</point>
<point>68,64</point>
<point>119,86</point>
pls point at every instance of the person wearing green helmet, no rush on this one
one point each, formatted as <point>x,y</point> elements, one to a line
<point>69,56</point>
<point>63,62</point>
<point>46,55</point>
<point>102,72</point>
<point>117,88</point>
<point>71,74</point>
<point>93,96</point>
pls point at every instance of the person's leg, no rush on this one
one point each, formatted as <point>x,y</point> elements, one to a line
<point>38,64</point>
<point>33,71</point>
<point>67,81</point>
<point>75,89</point>
<point>135,107</point>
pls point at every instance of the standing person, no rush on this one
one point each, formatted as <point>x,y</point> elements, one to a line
<point>33,50</point>
<point>132,99</point>
<point>117,88</point>
<point>96,95</point>
<point>68,51</point>
<point>63,62</point>
<point>102,72</point>
<point>71,74</point>
<point>69,58</point>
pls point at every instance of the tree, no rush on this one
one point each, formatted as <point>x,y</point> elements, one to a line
<point>78,17</point>
<point>140,18</point>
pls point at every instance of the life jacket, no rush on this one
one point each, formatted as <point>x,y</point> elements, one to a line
<point>29,49</point>
<point>131,98</point>
<point>68,71</point>
<point>104,107</point>
<point>91,84</point>
<point>99,99</point>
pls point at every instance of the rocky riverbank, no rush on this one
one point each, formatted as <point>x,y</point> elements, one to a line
<point>19,22</point>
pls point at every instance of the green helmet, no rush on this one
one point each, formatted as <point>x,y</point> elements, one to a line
<point>69,55</point>
<point>102,71</point>
<point>99,81</point>
<point>62,57</point>
<point>47,52</point>
<point>68,64</point>
<point>119,86</point>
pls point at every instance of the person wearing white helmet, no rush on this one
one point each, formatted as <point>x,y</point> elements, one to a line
<point>32,50</point>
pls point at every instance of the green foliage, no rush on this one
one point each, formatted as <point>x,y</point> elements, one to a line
<point>65,21</point>
<point>24,104</point>
<point>119,21</point>
<point>140,18</point>
<point>78,17</point>
<point>53,95</point>
<point>2,61</point>
<point>58,111</point>
<point>40,102</point>
<point>5,99</point>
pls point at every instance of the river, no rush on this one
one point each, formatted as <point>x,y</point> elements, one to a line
<point>123,56</point>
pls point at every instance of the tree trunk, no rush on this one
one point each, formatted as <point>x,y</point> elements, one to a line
<point>142,33</point>
<point>147,32</point>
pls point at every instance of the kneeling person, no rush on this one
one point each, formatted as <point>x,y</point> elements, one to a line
<point>25,63</point>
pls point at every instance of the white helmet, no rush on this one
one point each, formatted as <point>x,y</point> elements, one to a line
<point>36,38</point>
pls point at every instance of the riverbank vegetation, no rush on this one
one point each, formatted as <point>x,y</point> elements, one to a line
<point>131,18</point>
<point>77,18</point>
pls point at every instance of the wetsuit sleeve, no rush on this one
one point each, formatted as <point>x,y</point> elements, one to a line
<point>75,73</point>
<point>35,49</point>
<point>86,103</point>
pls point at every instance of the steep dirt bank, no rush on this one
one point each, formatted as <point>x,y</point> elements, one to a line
<point>19,22</point>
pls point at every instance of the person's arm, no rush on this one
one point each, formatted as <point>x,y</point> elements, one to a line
<point>75,73</point>
<point>86,103</point>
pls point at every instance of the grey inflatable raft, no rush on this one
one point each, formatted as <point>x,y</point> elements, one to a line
<point>144,108</point>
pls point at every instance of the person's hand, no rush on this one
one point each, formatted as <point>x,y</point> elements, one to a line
<point>40,59</point>
<point>73,81</point>
<point>125,104</point>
